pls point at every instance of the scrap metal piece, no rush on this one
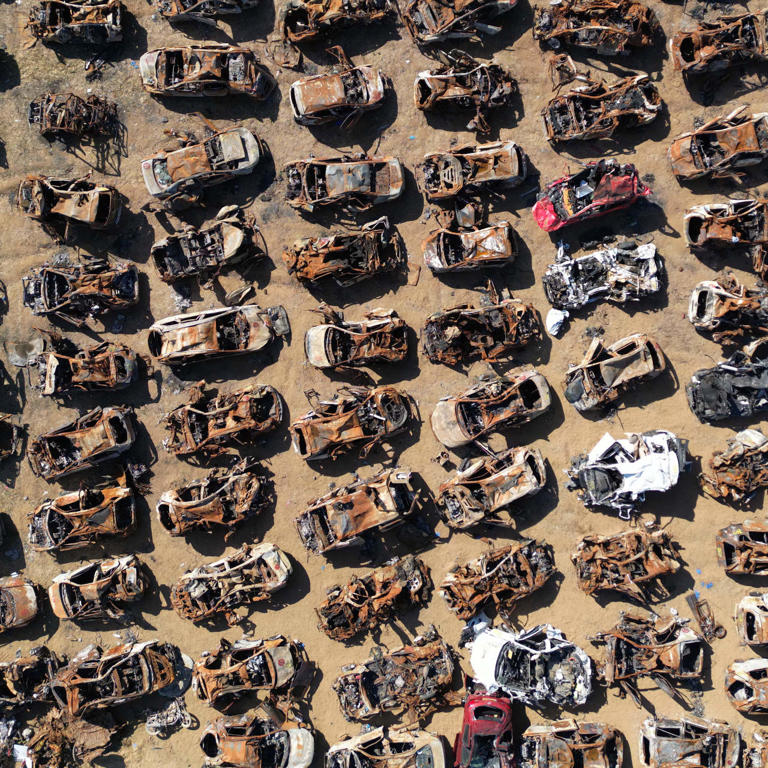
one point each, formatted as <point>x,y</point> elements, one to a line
<point>500,577</point>
<point>435,22</point>
<point>461,249</point>
<point>571,742</point>
<point>721,147</point>
<point>27,680</point>
<point>18,602</point>
<point>600,187</point>
<point>632,562</point>
<point>66,114</point>
<point>90,22</point>
<point>746,686</point>
<point>354,416</point>
<point>368,601</point>
<point>225,497</point>
<point>100,435</point>
<point>342,517</point>
<point>742,548</point>
<point>211,422</point>
<point>485,486</point>
<point>666,742</point>
<point>609,28</point>
<point>705,618</point>
<point>662,648</point>
<point>626,272</point>
<point>99,590</point>
<point>537,666</point>
<point>306,20</point>
<point>491,405</point>
<point>487,732</point>
<point>752,618</point>
<point>206,11</point>
<point>247,576</point>
<point>388,748</point>
<point>607,372</point>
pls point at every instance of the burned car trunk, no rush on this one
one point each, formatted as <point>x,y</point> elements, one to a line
<point>740,470</point>
<point>26,681</point>
<point>413,679</point>
<point>343,517</point>
<point>89,22</point>
<point>346,258</point>
<point>202,10</point>
<point>484,487</point>
<point>67,114</point>
<point>430,21</point>
<point>359,417</point>
<point>500,577</point>
<point>306,20</point>
<point>626,272</point>
<point>212,423</point>
<point>742,548</point>
<point>752,619</point>
<point>247,576</point>
<point>746,686</point>
<point>225,498</point>
<point>608,28</point>
<point>632,562</point>
<point>663,649</point>
<point>19,605</point>
<point>378,596</point>
<point>461,249</point>
<point>667,742</point>
<point>98,436</point>
<point>573,743</point>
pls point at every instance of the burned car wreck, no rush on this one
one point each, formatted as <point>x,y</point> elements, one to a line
<point>368,601</point>
<point>667,742</point>
<point>430,21</point>
<point>571,742</point>
<point>345,515</point>
<point>306,20</point>
<point>212,423</point>
<point>736,473</point>
<point>247,576</point>
<point>27,679</point>
<point>632,562</point>
<point>746,686</point>
<point>382,747</point>
<point>202,10</point>
<point>413,679</point>
<point>500,577</point>
<point>484,487</point>
<point>451,249</point>
<point>66,114</point>
<point>626,272</point>
<point>19,605</point>
<point>487,732</point>
<point>752,618</point>
<point>618,473</point>
<point>224,498</point>
<point>89,22</point>
<point>742,548</point>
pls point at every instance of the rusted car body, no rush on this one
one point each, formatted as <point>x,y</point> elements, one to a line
<point>459,250</point>
<point>742,548</point>
<point>278,666</point>
<point>485,486</point>
<point>247,576</point>
<point>464,83</point>
<point>626,272</point>
<point>632,562</point>
<point>662,648</point>
<point>66,114</point>
<point>202,10</point>
<point>346,258</point>
<point>487,732</point>
<point>220,332</point>
<point>489,406</point>
<point>429,21</point>
<point>306,20</point>
<point>601,187</point>
<point>96,679</point>
<point>740,470</point>
<point>79,518</point>
<point>666,742</point>
<point>27,679</point>
<point>370,600</point>
<point>500,577</point>
<point>76,293</point>
<point>471,169</point>
<point>752,619</point>
<point>90,22</point>
<point>720,147</point>
<point>212,423</point>
<point>213,69</point>
<point>224,498</point>
<point>606,372</point>
<point>413,679</point>
<point>746,686</point>
<point>571,743</point>
<point>100,435</point>
<point>100,590</point>
<point>382,747</point>
<point>380,337</point>
<point>350,182</point>
<point>712,46</point>
<point>596,110</point>
<point>18,602</point>
<point>609,28</point>
<point>344,516</point>
<point>354,417</point>
<point>729,310</point>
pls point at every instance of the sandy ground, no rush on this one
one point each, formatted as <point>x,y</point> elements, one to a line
<point>397,129</point>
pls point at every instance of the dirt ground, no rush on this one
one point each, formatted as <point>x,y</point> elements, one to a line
<point>397,129</point>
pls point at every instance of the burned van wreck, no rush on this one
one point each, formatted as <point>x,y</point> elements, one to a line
<point>500,577</point>
<point>77,22</point>
<point>738,472</point>
<point>742,548</point>
<point>59,115</point>
<point>431,21</point>
<point>667,742</point>
<point>369,600</point>
<point>309,20</point>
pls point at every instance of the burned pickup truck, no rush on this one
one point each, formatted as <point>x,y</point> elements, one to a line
<point>742,548</point>
<point>458,250</point>
<point>348,257</point>
<point>60,115</point>
<point>343,517</point>
<point>485,486</point>
<point>431,21</point>
<point>571,742</point>
<point>247,576</point>
<point>210,423</point>
<point>368,601</point>
<point>740,470</point>
<point>632,562</point>
<point>77,22</point>
<point>224,498</point>
<point>500,577</point>
<point>308,20</point>
<point>667,742</point>
<point>626,272</point>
